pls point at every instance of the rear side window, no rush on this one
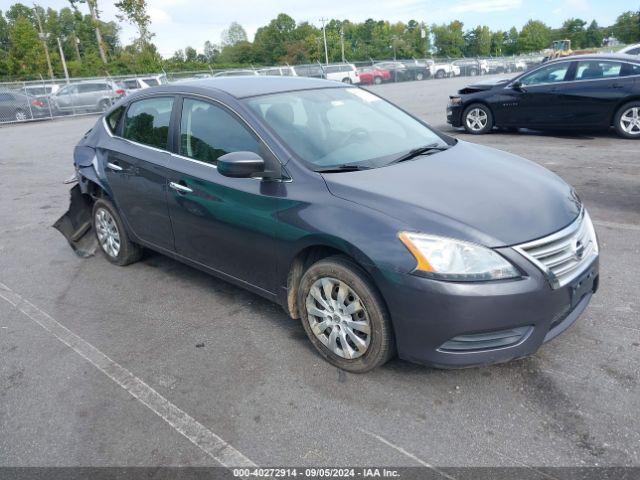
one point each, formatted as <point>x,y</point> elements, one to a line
<point>114,118</point>
<point>593,70</point>
<point>207,132</point>
<point>152,82</point>
<point>630,69</point>
<point>147,121</point>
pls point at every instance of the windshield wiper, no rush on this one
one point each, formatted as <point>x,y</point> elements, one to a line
<point>342,168</point>
<point>416,152</point>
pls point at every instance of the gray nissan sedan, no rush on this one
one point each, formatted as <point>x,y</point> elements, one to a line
<point>381,234</point>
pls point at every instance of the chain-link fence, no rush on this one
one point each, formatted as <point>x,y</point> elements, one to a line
<point>47,99</point>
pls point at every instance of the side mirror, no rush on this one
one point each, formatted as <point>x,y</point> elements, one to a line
<point>241,165</point>
<point>517,86</point>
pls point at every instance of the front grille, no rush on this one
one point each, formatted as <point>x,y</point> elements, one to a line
<point>564,255</point>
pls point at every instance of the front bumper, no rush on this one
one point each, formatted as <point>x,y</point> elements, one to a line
<point>454,115</point>
<point>428,314</point>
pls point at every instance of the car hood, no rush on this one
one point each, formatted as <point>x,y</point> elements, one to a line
<point>470,192</point>
<point>484,85</point>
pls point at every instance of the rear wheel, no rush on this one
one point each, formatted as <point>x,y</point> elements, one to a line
<point>346,80</point>
<point>473,72</point>
<point>627,120</point>
<point>377,80</point>
<point>440,74</point>
<point>112,237</point>
<point>419,76</point>
<point>344,315</point>
<point>104,105</point>
<point>477,119</point>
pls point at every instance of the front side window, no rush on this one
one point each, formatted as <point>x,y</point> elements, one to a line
<point>549,74</point>
<point>147,121</point>
<point>329,127</point>
<point>594,69</point>
<point>207,132</point>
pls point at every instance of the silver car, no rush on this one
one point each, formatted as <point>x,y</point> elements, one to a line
<point>92,96</point>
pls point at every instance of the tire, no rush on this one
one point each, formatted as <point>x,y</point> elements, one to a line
<point>440,74</point>
<point>419,76</point>
<point>377,80</point>
<point>627,120</point>
<point>20,115</point>
<point>480,119</point>
<point>106,220</point>
<point>473,72</point>
<point>346,80</point>
<point>343,277</point>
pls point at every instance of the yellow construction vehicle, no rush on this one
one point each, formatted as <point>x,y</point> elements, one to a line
<point>562,48</point>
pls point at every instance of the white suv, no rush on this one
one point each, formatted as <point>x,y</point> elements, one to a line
<point>342,72</point>
<point>631,49</point>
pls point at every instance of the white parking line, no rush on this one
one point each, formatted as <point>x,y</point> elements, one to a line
<point>408,454</point>
<point>183,423</point>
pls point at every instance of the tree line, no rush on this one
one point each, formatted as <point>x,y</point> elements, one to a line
<point>34,40</point>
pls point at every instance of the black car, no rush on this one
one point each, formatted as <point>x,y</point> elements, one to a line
<point>416,70</point>
<point>579,92</point>
<point>381,234</point>
<point>18,107</point>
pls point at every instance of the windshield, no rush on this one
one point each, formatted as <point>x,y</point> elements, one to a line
<point>337,126</point>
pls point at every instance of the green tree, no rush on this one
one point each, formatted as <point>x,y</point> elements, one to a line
<point>627,27</point>
<point>573,29</point>
<point>593,35</point>
<point>449,39</point>
<point>135,12</point>
<point>478,42</point>
<point>26,54</point>
<point>533,37</point>
<point>270,40</point>
<point>233,35</point>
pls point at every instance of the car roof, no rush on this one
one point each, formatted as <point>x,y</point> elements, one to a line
<point>599,56</point>
<point>250,86</point>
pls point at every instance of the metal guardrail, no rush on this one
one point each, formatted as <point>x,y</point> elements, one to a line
<point>48,99</point>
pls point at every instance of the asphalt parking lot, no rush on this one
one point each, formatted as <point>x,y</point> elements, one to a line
<point>255,382</point>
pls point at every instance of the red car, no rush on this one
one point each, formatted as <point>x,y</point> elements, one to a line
<point>369,75</point>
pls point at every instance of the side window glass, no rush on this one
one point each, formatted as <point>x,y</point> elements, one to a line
<point>147,121</point>
<point>551,74</point>
<point>114,118</point>
<point>594,69</point>
<point>630,69</point>
<point>207,132</point>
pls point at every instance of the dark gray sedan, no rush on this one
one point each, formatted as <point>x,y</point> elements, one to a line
<point>381,234</point>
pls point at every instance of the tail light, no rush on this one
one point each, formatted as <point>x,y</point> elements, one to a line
<point>120,91</point>
<point>37,103</point>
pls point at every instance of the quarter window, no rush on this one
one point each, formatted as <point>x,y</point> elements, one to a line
<point>594,69</point>
<point>147,121</point>
<point>207,132</point>
<point>114,118</point>
<point>550,74</point>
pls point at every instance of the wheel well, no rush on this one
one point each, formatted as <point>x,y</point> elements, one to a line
<point>620,105</point>
<point>302,261</point>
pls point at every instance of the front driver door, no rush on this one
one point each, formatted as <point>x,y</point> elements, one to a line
<point>537,103</point>
<point>227,224</point>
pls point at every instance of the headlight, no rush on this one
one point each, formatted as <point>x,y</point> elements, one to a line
<point>455,101</point>
<point>456,260</point>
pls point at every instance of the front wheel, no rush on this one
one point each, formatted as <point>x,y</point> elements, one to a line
<point>627,120</point>
<point>104,105</point>
<point>344,315</point>
<point>477,119</point>
<point>440,74</point>
<point>346,80</point>
<point>419,76</point>
<point>377,80</point>
<point>112,237</point>
<point>20,115</point>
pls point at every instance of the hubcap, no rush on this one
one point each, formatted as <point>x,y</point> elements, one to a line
<point>337,318</point>
<point>21,116</point>
<point>107,231</point>
<point>630,121</point>
<point>477,119</point>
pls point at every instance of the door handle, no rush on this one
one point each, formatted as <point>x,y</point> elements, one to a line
<point>180,188</point>
<point>616,85</point>
<point>114,167</point>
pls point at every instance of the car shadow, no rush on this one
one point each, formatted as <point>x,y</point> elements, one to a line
<point>529,132</point>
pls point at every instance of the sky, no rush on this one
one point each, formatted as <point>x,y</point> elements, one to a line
<point>181,23</point>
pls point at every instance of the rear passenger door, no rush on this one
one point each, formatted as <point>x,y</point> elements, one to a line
<point>598,87</point>
<point>227,224</point>
<point>135,166</point>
